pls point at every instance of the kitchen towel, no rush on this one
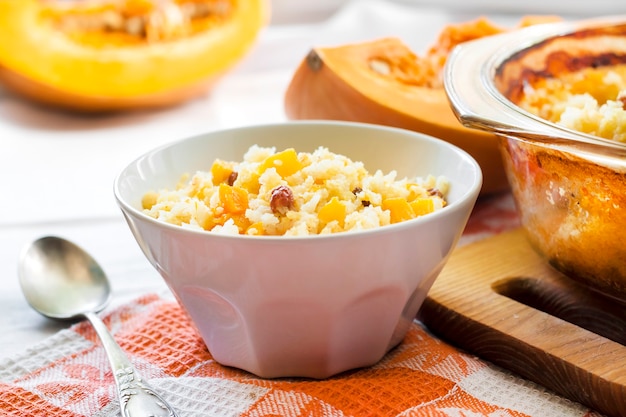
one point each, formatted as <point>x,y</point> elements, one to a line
<point>68,375</point>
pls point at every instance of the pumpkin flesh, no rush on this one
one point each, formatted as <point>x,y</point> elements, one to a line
<point>112,54</point>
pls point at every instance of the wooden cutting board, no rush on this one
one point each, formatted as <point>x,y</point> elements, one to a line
<point>501,301</point>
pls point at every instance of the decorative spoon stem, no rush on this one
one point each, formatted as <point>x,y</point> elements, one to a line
<point>137,397</point>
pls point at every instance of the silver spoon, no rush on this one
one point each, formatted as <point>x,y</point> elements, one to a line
<point>61,281</point>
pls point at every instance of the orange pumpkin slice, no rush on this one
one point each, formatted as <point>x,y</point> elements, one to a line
<point>384,82</point>
<point>99,55</point>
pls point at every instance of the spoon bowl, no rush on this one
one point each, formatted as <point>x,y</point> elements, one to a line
<point>62,281</point>
<point>52,265</point>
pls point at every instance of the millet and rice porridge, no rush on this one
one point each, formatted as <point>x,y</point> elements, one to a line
<point>589,101</point>
<point>293,193</point>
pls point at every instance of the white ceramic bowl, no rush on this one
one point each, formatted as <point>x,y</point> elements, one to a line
<point>303,306</point>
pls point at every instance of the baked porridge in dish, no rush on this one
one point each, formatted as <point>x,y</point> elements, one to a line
<point>293,193</point>
<point>590,101</point>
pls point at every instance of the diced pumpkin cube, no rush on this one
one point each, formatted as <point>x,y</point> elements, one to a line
<point>234,199</point>
<point>399,209</point>
<point>251,183</point>
<point>593,83</point>
<point>255,229</point>
<point>333,210</point>
<point>209,221</point>
<point>241,221</point>
<point>221,171</point>
<point>149,200</point>
<point>285,162</point>
<point>218,219</point>
<point>422,206</point>
<point>414,190</point>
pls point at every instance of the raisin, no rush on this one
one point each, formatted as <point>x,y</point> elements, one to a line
<point>281,199</point>
<point>356,191</point>
<point>232,178</point>
<point>434,191</point>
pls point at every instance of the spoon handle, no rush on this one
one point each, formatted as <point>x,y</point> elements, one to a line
<point>137,397</point>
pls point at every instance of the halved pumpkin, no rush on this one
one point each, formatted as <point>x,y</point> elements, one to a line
<point>384,82</point>
<point>99,55</point>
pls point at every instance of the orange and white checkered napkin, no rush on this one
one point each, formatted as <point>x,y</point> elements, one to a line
<point>68,375</point>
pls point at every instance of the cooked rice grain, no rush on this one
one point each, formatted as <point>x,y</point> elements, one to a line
<point>329,193</point>
<point>589,101</point>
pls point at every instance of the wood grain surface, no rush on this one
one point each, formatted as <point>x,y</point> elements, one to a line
<point>498,299</point>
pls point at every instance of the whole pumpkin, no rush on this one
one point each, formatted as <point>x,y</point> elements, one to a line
<point>101,55</point>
